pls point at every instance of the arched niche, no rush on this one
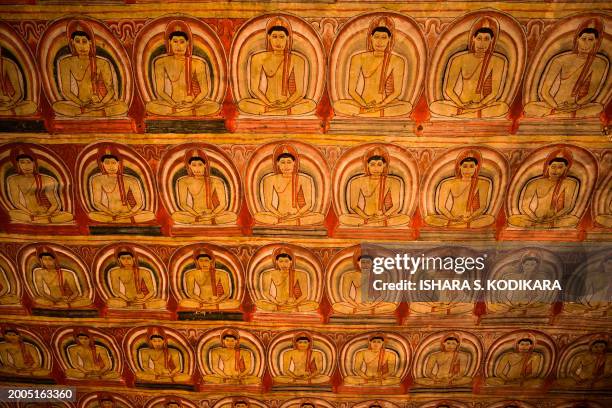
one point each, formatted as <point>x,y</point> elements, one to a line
<point>54,48</point>
<point>39,281</point>
<point>52,183</point>
<point>102,349</point>
<point>433,352</point>
<point>582,363</point>
<point>489,180</point>
<point>396,357</point>
<point>401,182</point>
<point>408,44</point>
<point>11,287</point>
<point>25,355</point>
<point>222,175</point>
<point>537,360</point>
<point>135,172</point>
<point>580,176</point>
<point>150,279</point>
<point>24,79</point>
<point>250,39</point>
<point>150,44</point>
<point>510,46</point>
<point>310,168</point>
<point>308,271</point>
<point>183,260</point>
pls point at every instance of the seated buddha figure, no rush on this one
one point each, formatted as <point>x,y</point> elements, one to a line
<point>230,363</point>
<point>548,200</point>
<point>521,367</point>
<point>34,196</point>
<point>86,80</point>
<point>447,367</point>
<point>284,70</point>
<point>19,357</point>
<point>603,206</point>
<point>374,365</point>
<point>462,201</point>
<point>594,291</point>
<point>288,195</point>
<point>8,289</point>
<point>531,266</point>
<point>375,197</point>
<point>13,100</point>
<point>572,80</point>
<point>158,362</point>
<point>286,289</point>
<point>591,368</point>
<point>56,286</point>
<point>117,197</point>
<point>303,364</point>
<point>206,286</point>
<point>382,74</point>
<point>352,291</point>
<point>202,197</point>
<point>131,285</point>
<point>89,360</point>
<point>181,79</point>
<point>473,80</point>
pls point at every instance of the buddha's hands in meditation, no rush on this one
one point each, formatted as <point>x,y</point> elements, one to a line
<point>567,106</point>
<point>287,215</point>
<point>378,216</point>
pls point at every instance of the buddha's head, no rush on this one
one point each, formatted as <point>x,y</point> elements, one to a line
<point>365,263</point>
<point>284,261</point>
<point>110,163</point>
<point>468,167</point>
<point>307,405</point>
<point>173,404</point>
<point>204,261</point>
<point>376,161</point>
<point>557,167</point>
<point>377,165</point>
<point>482,39</point>
<point>285,163</point>
<point>240,403</point>
<point>48,260</point>
<point>450,343</point>
<point>599,346</point>
<point>278,37</point>
<point>558,163</point>
<point>81,43</point>
<point>380,36</point>
<point>229,339</point>
<point>156,341</point>
<point>524,345</point>
<point>376,342</point>
<point>25,164</point>
<point>197,165</point>
<point>179,42</point>
<point>83,339</point>
<point>11,336</point>
<point>125,258</point>
<point>530,262</point>
<point>107,402</point>
<point>587,40</point>
<point>302,342</point>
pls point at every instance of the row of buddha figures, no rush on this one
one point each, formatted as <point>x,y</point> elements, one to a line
<point>228,358</point>
<point>289,283</point>
<point>377,190</point>
<point>105,399</point>
<point>377,67</point>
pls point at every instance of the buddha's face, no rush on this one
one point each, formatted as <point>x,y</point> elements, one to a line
<point>240,405</point>
<point>302,344</point>
<point>126,260</point>
<point>450,344</point>
<point>83,340</point>
<point>48,262</point>
<point>107,404</point>
<point>26,165</point>
<point>530,265</point>
<point>157,343</point>
<point>197,167</point>
<point>607,266</point>
<point>111,165</point>
<point>365,264</point>
<point>556,169</point>
<point>380,41</point>
<point>284,263</point>
<point>229,342</point>
<point>598,348</point>
<point>376,344</point>
<point>173,405</point>
<point>524,346</point>
<point>467,168</point>
<point>376,167</point>
<point>586,42</point>
<point>204,262</point>
<point>286,165</point>
<point>11,337</point>
<point>278,40</point>
<point>179,45</point>
<point>82,45</point>
<point>482,41</point>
